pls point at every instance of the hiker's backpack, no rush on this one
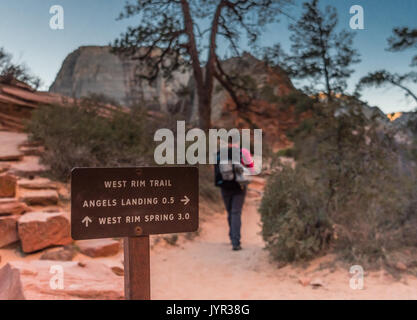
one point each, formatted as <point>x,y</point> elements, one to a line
<point>231,175</point>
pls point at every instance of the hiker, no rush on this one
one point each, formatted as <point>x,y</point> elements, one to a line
<point>233,178</point>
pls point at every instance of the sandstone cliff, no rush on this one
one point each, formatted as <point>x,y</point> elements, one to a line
<point>95,70</point>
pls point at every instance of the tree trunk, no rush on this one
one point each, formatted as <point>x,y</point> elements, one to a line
<point>405,89</point>
<point>203,93</point>
<point>204,110</point>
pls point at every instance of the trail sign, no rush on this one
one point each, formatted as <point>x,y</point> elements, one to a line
<point>128,202</point>
<point>133,203</point>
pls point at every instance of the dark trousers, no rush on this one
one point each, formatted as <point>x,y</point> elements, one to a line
<point>233,201</point>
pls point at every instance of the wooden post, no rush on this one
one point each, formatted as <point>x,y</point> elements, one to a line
<point>137,268</point>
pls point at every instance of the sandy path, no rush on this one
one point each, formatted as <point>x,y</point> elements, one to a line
<point>207,268</point>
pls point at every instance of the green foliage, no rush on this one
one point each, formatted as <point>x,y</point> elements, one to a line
<point>381,78</point>
<point>352,177</point>
<point>10,71</point>
<point>79,137</point>
<point>402,39</point>
<point>295,225</point>
<point>319,52</point>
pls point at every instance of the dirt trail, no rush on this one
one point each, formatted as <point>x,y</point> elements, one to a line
<point>207,268</point>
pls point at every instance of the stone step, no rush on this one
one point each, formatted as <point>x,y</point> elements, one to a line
<point>28,166</point>
<point>39,230</point>
<point>10,206</point>
<point>36,183</point>
<point>39,197</point>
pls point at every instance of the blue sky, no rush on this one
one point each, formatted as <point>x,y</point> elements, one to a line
<point>25,32</point>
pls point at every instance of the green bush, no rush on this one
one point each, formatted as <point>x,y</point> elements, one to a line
<point>353,191</point>
<point>295,225</point>
<point>79,137</point>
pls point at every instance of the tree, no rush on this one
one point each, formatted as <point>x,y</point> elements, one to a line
<point>318,51</point>
<point>382,77</point>
<point>10,71</point>
<point>402,39</point>
<point>170,37</point>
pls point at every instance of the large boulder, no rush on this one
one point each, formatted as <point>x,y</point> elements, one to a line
<point>7,186</point>
<point>99,247</point>
<point>39,230</point>
<point>51,280</point>
<point>8,230</point>
<point>10,284</point>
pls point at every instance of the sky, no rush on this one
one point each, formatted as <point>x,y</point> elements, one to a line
<point>25,33</point>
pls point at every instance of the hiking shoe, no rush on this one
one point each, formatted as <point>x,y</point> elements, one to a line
<point>237,248</point>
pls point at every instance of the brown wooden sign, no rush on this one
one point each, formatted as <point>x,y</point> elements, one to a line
<point>130,202</point>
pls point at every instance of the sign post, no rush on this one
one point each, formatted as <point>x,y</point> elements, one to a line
<point>133,203</point>
<point>137,268</point>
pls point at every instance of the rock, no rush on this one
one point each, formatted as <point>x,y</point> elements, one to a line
<point>4,167</point>
<point>37,183</point>
<point>316,283</point>
<point>401,266</point>
<point>40,280</point>
<point>99,247</point>
<point>12,207</point>
<point>39,230</point>
<point>10,284</point>
<point>32,150</point>
<point>118,271</point>
<point>9,145</point>
<point>66,253</point>
<point>39,197</point>
<point>114,77</point>
<point>7,186</point>
<point>94,69</point>
<point>8,230</point>
<point>29,166</point>
<point>304,281</point>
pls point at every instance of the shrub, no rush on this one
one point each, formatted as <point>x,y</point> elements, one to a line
<point>295,225</point>
<point>353,179</point>
<point>78,137</point>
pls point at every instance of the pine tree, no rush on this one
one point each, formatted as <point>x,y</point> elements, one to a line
<point>319,52</point>
<point>175,34</point>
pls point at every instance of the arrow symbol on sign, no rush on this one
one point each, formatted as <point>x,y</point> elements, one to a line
<point>86,220</point>
<point>185,200</point>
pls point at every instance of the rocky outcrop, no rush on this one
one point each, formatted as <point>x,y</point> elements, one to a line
<point>39,230</point>
<point>17,101</point>
<point>95,70</point>
<point>49,280</point>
